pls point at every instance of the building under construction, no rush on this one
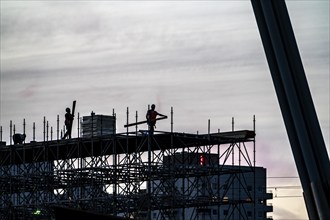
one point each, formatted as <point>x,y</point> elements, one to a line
<point>136,175</point>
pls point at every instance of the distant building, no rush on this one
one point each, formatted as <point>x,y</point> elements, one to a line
<point>226,195</point>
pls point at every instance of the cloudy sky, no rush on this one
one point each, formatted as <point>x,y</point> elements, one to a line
<point>203,58</point>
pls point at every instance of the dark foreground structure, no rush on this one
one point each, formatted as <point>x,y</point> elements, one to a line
<point>296,103</point>
<point>129,175</point>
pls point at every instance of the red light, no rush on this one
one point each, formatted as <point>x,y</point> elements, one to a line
<point>202,160</point>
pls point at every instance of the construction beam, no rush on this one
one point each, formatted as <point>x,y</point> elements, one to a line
<point>296,104</point>
<point>143,122</point>
<point>73,110</point>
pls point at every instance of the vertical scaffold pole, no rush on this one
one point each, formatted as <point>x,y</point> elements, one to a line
<point>34,131</point>
<point>10,132</point>
<point>47,127</point>
<point>51,133</point>
<point>58,127</point>
<point>92,124</point>
<point>78,124</point>
<point>233,145</point>
<point>24,128</point>
<point>136,120</point>
<point>114,163</point>
<point>171,119</point>
<point>114,121</point>
<point>127,120</point>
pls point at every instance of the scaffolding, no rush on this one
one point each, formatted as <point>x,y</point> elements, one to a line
<point>127,174</point>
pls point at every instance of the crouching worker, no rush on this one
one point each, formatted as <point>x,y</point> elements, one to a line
<point>19,138</point>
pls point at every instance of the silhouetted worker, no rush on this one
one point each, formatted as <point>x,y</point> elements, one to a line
<point>19,138</point>
<point>68,123</point>
<point>151,118</point>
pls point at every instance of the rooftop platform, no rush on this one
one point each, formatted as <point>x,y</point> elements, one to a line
<point>123,143</point>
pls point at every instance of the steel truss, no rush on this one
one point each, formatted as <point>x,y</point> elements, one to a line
<point>127,175</point>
